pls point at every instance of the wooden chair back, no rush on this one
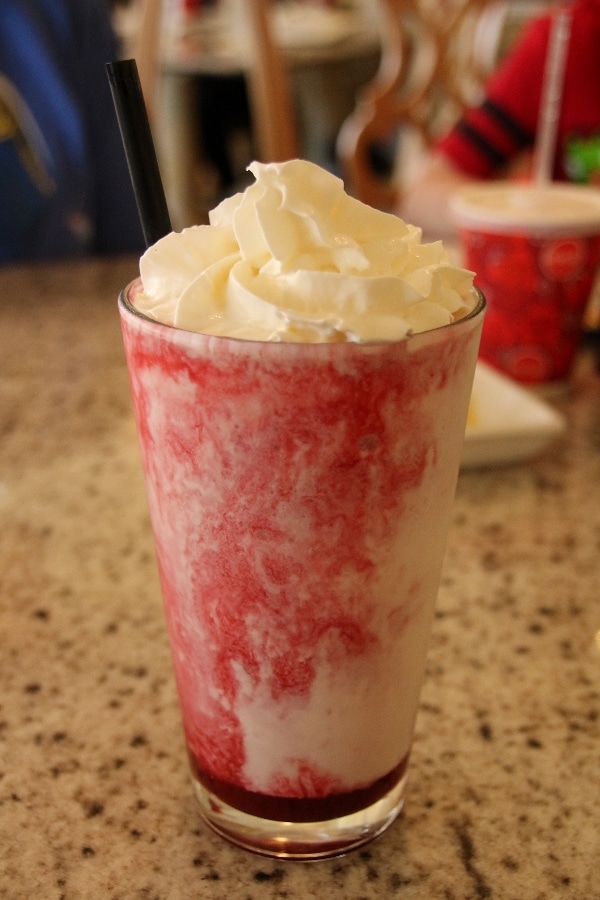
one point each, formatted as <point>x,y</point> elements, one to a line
<point>435,57</point>
<point>270,93</point>
<point>269,84</point>
<point>147,53</point>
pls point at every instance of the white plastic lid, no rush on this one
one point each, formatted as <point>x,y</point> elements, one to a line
<point>534,209</point>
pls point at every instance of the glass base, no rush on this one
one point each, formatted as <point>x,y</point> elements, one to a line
<point>301,840</point>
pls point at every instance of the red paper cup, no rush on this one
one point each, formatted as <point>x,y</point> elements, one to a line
<point>300,496</point>
<point>535,251</point>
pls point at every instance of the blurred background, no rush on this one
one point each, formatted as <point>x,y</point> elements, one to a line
<point>361,87</point>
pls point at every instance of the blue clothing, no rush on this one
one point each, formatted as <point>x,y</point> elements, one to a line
<point>64,186</point>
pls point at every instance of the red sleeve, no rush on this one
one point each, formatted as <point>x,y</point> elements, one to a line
<point>487,137</point>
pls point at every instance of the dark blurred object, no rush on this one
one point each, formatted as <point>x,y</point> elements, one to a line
<point>223,115</point>
<point>64,182</point>
<point>591,341</point>
<point>591,331</point>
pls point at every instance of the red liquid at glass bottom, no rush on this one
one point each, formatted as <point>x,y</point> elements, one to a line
<point>297,827</point>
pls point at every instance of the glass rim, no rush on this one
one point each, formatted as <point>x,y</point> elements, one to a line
<point>129,307</point>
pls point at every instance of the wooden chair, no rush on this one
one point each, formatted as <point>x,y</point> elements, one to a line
<point>270,93</point>
<point>435,57</point>
<point>171,104</point>
<point>268,78</point>
<point>138,25</point>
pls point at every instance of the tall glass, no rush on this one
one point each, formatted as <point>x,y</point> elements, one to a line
<point>300,496</point>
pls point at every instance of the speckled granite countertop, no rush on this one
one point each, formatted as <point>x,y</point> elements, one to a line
<point>95,801</point>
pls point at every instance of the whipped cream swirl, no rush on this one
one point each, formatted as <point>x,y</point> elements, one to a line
<point>295,258</point>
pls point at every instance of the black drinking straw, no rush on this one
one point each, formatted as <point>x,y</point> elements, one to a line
<point>133,120</point>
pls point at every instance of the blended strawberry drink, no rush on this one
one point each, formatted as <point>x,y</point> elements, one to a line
<point>301,371</point>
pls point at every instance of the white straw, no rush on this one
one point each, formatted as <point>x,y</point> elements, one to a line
<point>551,99</point>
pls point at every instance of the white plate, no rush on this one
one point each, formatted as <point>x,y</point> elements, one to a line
<point>506,423</point>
